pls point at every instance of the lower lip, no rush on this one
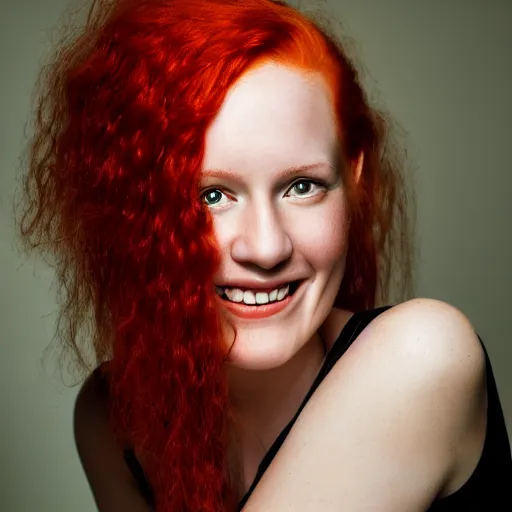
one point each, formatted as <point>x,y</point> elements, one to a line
<point>256,312</point>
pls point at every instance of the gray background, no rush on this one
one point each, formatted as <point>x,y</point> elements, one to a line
<point>442,67</point>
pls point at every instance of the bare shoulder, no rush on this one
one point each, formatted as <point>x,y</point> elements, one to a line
<point>398,422</point>
<point>91,413</point>
<point>432,334</point>
<point>422,364</point>
<point>110,480</point>
<point>92,399</point>
<point>427,352</point>
<point>425,344</point>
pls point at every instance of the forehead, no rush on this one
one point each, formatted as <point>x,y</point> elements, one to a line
<point>274,117</point>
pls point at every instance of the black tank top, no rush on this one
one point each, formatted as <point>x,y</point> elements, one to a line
<point>488,488</point>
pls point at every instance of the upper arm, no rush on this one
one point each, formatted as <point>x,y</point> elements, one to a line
<point>387,427</point>
<point>111,482</point>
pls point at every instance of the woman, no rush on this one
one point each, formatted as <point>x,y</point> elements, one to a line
<point>224,208</point>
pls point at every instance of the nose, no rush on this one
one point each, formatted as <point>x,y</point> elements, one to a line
<point>263,240</point>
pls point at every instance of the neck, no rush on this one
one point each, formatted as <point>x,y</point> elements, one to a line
<point>265,401</point>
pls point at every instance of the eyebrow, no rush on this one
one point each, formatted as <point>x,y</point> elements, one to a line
<point>284,175</point>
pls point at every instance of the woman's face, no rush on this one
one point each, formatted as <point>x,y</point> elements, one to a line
<point>272,181</point>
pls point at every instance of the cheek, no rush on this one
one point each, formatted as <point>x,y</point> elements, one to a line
<point>321,234</point>
<point>225,230</point>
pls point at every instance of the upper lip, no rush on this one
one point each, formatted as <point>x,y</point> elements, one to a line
<point>257,285</point>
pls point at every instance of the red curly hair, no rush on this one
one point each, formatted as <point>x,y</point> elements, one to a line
<point>111,196</point>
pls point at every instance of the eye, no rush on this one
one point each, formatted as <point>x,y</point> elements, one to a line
<point>213,197</point>
<point>305,188</point>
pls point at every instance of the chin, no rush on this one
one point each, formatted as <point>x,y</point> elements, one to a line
<point>266,347</point>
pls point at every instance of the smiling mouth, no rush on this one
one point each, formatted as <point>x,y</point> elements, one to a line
<point>257,298</point>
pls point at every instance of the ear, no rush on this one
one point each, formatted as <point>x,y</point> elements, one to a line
<point>357,167</point>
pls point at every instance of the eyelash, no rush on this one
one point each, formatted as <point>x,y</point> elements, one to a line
<point>317,183</point>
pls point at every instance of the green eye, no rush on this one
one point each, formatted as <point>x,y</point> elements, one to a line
<point>212,197</point>
<point>302,187</point>
<point>306,188</point>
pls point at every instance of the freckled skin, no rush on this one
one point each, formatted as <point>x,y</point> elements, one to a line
<point>267,227</point>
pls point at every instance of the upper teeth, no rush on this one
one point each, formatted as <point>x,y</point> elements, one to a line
<point>253,297</point>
